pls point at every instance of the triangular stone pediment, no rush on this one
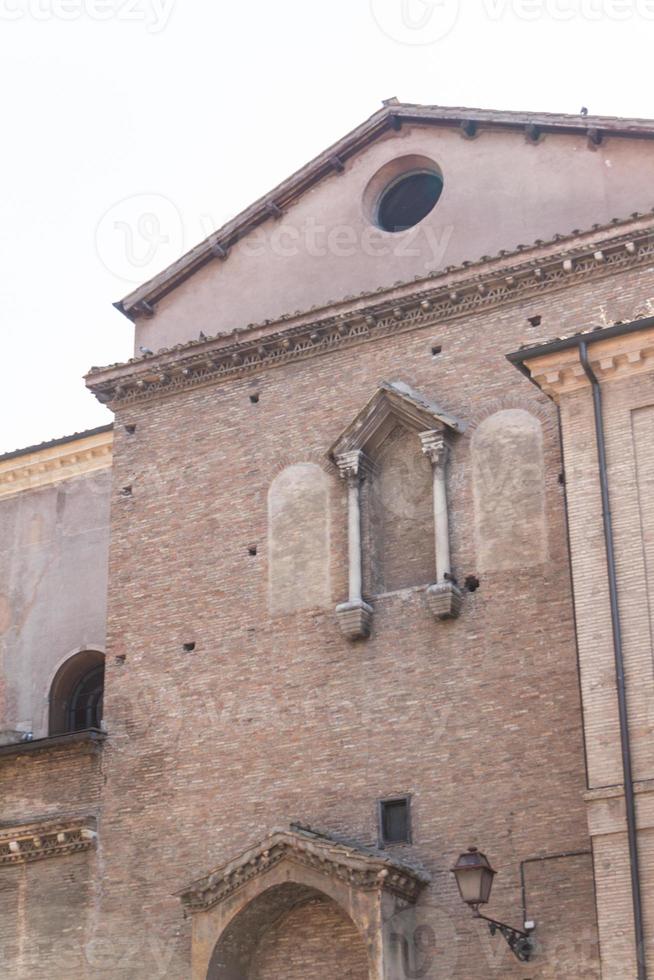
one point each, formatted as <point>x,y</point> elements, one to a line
<point>361,867</point>
<point>394,402</point>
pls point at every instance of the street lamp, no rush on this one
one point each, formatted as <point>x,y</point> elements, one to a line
<point>474,877</point>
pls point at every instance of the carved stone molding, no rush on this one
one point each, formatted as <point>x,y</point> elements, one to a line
<point>22,844</point>
<point>435,448</point>
<point>354,465</point>
<point>360,868</point>
<point>470,290</point>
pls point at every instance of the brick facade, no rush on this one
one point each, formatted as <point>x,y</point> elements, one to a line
<point>235,705</point>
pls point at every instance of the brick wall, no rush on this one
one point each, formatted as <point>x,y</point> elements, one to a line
<point>315,940</point>
<point>275,717</point>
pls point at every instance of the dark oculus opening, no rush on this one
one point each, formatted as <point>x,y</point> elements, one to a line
<point>408,200</point>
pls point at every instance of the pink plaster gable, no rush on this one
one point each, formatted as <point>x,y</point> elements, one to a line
<point>501,189</point>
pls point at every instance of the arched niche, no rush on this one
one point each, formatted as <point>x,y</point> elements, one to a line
<point>508,475</point>
<point>298,539</point>
<point>397,516</point>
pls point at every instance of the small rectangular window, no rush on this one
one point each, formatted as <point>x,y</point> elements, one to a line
<point>394,822</point>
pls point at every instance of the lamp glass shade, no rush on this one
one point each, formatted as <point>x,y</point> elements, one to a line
<point>474,876</point>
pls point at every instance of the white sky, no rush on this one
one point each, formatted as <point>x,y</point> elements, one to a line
<point>179,113</point>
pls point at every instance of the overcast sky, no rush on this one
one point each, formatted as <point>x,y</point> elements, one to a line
<point>132,128</point>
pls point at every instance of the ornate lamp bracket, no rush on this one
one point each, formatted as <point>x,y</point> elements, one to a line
<point>519,941</point>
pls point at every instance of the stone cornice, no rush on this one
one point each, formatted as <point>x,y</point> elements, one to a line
<point>360,867</point>
<point>88,741</point>
<point>54,463</point>
<point>615,358</point>
<point>463,293</point>
<point>35,842</point>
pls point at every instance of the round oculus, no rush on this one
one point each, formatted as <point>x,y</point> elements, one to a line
<point>408,199</point>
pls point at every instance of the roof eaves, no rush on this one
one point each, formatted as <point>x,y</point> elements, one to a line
<point>592,335</point>
<point>52,443</point>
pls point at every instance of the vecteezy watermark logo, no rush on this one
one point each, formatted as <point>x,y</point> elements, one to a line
<point>154,14</point>
<point>421,22</point>
<point>416,22</point>
<point>567,10</point>
<point>139,236</point>
<point>422,941</point>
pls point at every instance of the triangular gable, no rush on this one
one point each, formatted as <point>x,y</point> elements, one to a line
<point>393,402</point>
<point>361,867</point>
<point>391,117</point>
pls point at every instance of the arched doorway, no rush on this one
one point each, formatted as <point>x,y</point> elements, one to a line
<point>293,932</point>
<point>302,904</point>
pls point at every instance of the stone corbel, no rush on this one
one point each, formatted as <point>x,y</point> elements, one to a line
<point>444,597</point>
<point>355,615</point>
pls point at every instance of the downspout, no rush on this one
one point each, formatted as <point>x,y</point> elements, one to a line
<point>619,664</point>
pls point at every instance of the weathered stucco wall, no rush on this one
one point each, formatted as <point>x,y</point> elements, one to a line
<point>54,543</point>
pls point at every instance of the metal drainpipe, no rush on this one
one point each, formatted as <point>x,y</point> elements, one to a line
<point>619,664</point>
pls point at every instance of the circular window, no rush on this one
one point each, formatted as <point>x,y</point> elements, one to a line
<point>408,199</point>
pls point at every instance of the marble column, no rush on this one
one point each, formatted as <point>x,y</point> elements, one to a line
<point>355,615</point>
<point>444,597</point>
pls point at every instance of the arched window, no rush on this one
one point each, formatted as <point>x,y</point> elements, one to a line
<point>76,694</point>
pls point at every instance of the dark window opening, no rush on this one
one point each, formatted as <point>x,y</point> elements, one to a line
<point>85,708</point>
<point>189,647</point>
<point>254,398</point>
<point>436,350</point>
<point>77,693</point>
<point>535,321</point>
<point>252,550</point>
<point>408,200</point>
<point>394,821</point>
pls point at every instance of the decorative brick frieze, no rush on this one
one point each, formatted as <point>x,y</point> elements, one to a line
<point>186,366</point>
<point>22,844</point>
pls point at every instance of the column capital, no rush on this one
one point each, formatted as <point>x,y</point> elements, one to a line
<point>435,447</point>
<point>353,466</point>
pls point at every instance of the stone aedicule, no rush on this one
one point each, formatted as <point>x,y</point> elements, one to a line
<point>396,403</point>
